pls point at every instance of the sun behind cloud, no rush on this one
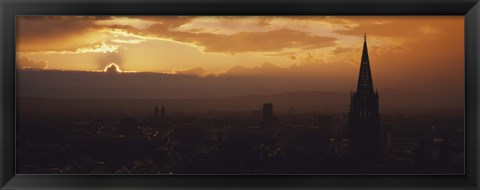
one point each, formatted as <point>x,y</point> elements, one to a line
<point>112,68</point>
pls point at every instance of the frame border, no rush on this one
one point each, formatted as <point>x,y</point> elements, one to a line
<point>10,8</point>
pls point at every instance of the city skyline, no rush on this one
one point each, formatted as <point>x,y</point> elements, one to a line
<point>266,120</point>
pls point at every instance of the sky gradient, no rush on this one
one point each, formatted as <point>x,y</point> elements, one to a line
<point>414,53</point>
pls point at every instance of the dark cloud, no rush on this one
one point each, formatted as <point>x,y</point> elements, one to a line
<point>167,21</point>
<point>25,63</point>
<point>391,26</point>
<point>63,33</point>
<point>52,33</point>
<point>37,27</point>
<point>197,71</point>
<point>320,71</point>
<point>275,40</point>
<point>265,69</point>
<point>339,50</point>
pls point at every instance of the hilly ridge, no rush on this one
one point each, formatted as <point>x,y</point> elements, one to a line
<point>391,101</point>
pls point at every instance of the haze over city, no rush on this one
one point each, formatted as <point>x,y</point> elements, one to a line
<point>240,95</point>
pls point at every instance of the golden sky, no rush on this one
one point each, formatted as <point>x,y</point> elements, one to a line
<point>403,49</point>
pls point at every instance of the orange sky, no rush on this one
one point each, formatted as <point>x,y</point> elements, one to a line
<point>403,49</point>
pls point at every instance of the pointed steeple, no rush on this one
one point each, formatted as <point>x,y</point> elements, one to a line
<point>162,111</point>
<point>155,111</point>
<point>364,117</point>
<point>365,49</point>
<point>365,83</point>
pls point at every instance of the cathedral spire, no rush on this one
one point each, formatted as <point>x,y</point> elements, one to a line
<point>365,83</point>
<point>365,49</point>
<point>364,116</point>
<point>155,111</point>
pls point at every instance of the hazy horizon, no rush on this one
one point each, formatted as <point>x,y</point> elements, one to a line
<point>415,61</point>
<point>240,95</point>
<point>87,91</point>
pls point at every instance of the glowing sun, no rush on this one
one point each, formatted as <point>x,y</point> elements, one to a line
<point>112,68</point>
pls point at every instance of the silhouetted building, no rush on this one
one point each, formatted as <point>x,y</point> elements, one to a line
<point>155,112</point>
<point>268,117</point>
<point>337,148</point>
<point>387,137</point>
<point>364,120</point>
<point>162,111</point>
<point>159,120</point>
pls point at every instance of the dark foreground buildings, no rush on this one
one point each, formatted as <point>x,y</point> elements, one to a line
<point>364,120</point>
<point>263,141</point>
<point>268,117</point>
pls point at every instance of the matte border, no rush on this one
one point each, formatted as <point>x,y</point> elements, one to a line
<point>10,8</point>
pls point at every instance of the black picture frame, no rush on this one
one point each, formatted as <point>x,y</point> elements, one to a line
<point>11,8</point>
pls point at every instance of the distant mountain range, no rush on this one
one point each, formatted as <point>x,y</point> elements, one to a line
<point>335,102</point>
<point>49,91</point>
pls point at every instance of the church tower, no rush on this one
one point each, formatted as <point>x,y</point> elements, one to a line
<point>364,119</point>
<point>155,111</point>
<point>162,112</point>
